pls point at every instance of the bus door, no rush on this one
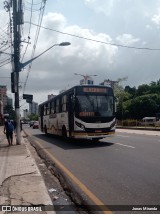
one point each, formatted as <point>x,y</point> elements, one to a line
<point>71,113</point>
<point>41,117</point>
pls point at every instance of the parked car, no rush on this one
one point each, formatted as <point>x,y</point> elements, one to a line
<point>148,121</point>
<point>35,125</point>
<point>31,123</point>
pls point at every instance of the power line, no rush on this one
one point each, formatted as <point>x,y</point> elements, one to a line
<point>33,3</point>
<point>4,60</point>
<point>5,64</point>
<point>28,33</point>
<point>33,10</point>
<point>98,41</point>
<point>36,39</point>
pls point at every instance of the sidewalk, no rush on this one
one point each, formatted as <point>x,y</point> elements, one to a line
<point>20,180</point>
<point>138,131</point>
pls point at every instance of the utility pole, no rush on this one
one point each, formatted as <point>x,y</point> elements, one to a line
<point>17,21</point>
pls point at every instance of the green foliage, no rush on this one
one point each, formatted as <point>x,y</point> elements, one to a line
<point>33,117</point>
<point>138,103</point>
<point>129,122</point>
<point>142,90</point>
<point>142,106</point>
<point>9,110</point>
<point>131,91</point>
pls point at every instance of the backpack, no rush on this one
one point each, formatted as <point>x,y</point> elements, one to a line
<point>10,127</point>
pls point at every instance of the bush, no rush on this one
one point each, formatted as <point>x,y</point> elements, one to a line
<point>129,122</point>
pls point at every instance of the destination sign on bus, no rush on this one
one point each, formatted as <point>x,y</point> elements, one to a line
<point>95,90</point>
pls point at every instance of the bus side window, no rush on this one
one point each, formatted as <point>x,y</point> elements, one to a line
<point>48,109</point>
<point>60,105</point>
<point>64,101</point>
<point>45,109</point>
<point>57,106</point>
<point>42,111</point>
<point>52,107</point>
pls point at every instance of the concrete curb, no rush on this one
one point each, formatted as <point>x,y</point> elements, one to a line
<point>73,190</point>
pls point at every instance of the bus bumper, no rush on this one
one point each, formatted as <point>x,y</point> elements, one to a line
<point>91,136</point>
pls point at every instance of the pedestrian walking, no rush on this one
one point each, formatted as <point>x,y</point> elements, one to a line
<point>8,130</point>
<point>14,124</point>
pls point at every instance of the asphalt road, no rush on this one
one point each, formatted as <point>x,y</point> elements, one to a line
<point>120,170</point>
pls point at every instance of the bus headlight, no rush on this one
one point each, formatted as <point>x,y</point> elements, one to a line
<point>113,124</point>
<point>80,125</point>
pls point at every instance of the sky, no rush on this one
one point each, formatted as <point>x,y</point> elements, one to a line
<point>101,33</point>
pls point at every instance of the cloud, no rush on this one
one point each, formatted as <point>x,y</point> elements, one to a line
<point>125,22</point>
<point>55,69</point>
<point>100,6</point>
<point>156,18</point>
<point>127,39</point>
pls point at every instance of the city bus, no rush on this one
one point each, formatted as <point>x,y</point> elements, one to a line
<point>81,112</point>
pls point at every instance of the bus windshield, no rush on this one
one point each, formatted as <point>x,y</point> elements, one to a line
<point>91,105</point>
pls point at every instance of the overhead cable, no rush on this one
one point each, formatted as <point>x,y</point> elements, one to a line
<point>98,41</point>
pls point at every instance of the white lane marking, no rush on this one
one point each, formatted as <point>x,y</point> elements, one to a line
<point>122,135</point>
<point>125,145</point>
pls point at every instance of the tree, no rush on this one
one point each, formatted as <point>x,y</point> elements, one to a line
<point>33,117</point>
<point>143,89</point>
<point>9,110</point>
<point>131,91</point>
<point>121,96</point>
<point>142,106</point>
<point>137,103</point>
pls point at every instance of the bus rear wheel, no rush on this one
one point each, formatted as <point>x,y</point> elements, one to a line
<point>64,133</point>
<point>45,130</point>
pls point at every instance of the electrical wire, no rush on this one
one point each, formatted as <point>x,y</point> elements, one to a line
<point>33,10</point>
<point>98,41</point>
<point>28,33</point>
<point>36,40</point>
<point>5,64</point>
<point>33,3</point>
<point>5,60</point>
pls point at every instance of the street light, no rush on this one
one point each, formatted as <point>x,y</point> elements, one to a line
<point>22,65</point>
<point>64,44</point>
<point>85,76</point>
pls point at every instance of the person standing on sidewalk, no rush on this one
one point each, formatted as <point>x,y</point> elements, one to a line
<point>8,130</point>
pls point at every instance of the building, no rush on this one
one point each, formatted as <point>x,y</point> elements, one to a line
<point>25,113</point>
<point>3,95</point>
<point>10,101</point>
<point>33,108</point>
<point>109,83</point>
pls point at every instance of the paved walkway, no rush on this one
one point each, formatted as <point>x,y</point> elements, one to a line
<point>21,182</point>
<point>135,131</point>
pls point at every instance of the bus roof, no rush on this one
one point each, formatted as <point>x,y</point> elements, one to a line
<point>77,86</point>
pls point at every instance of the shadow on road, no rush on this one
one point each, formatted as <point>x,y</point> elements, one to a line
<point>71,143</point>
